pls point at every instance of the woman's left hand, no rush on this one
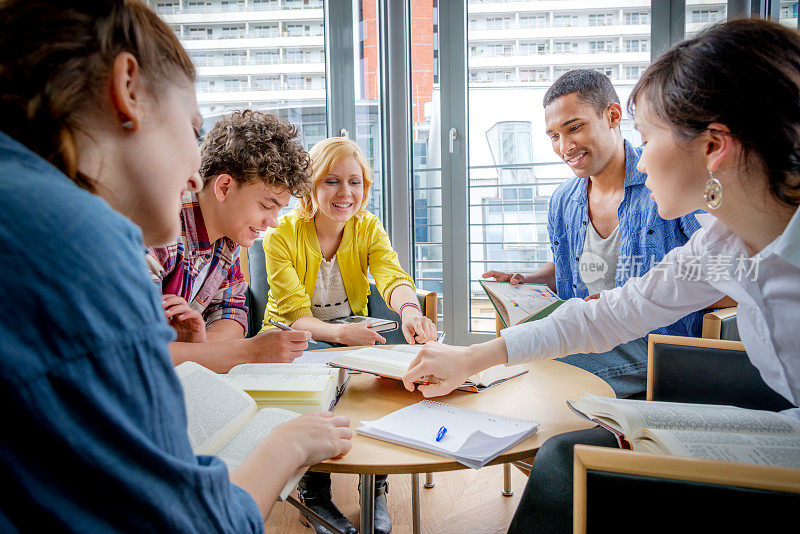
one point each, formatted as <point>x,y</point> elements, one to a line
<point>416,327</point>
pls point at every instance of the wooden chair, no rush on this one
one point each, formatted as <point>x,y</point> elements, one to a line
<point>627,487</point>
<point>721,324</point>
<point>620,489</point>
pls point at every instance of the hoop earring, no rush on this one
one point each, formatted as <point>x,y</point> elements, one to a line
<point>712,195</point>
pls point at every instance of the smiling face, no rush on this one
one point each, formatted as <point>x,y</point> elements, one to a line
<point>248,209</point>
<point>584,139</point>
<point>676,170</point>
<point>340,194</point>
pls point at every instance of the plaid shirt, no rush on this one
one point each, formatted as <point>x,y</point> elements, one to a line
<point>176,266</point>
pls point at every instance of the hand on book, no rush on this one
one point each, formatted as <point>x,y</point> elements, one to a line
<point>443,367</point>
<point>417,328</point>
<point>187,322</point>
<point>514,279</point>
<point>358,334</point>
<point>315,436</point>
<point>277,346</point>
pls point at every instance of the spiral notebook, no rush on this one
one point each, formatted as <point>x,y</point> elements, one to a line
<point>472,438</point>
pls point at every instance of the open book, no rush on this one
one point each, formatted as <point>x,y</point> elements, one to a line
<point>520,303</point>
<point>697,430</point>
<point>394,362</point>
<point>472,438</point>
<point>378,325</point>
<point>299,387</point>
<point>223,420</point>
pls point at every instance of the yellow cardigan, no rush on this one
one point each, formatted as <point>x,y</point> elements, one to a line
<point>293,258</point>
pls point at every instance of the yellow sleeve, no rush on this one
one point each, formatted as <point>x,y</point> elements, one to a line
<point>288,300</point>
<point>382,262</point>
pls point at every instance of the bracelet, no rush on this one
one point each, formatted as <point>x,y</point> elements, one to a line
<point>412,304</point>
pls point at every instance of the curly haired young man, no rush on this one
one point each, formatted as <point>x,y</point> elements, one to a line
<point>252,163</point>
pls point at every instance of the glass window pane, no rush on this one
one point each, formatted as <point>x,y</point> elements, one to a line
<point>246,57</point>
<point>515,51</point>
<point>789,13</point>
<point>367,93</point>
<point>703,13</point>
<point>426,164</point>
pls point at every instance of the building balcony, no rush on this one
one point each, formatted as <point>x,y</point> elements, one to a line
<point>315,14</point>
<point>264,69</point>
<point>537,7</point>
<point>540,60</point>
<point>222,96</point>
<point>254,42</point>
<point>558,32</point>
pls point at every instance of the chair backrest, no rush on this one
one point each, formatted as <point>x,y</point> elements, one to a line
<point>675,494</point>
<point>377,307</point>
<point>258,290</point>
<point>721,324</point>
<point>707,371</point>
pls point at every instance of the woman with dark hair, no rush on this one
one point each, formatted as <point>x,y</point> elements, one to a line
<point>98,125</point>
<point>708,146</point>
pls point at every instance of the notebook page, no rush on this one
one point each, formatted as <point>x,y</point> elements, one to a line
<point>421,422</point>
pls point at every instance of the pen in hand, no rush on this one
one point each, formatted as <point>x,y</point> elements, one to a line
<point>282,326</point>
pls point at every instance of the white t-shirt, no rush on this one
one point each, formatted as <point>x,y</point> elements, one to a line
<point>329,300</point>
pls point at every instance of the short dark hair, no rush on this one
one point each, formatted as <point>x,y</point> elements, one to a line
<point>251,145</point>
<point>591,86</point>
<point>716,77</point>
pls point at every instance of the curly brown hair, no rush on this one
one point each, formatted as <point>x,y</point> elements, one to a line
<point>251,145</point>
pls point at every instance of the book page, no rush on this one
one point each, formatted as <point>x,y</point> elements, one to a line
<point>318,356</point>
<point>284,382</point>
<point>764,449</point>
<point>241,444</point>
<point>214,408</point>
<point>520,301</point>
<point>497,372</point>
<point>634,415</point>
<point>316,368</point>
<point>387,362</point>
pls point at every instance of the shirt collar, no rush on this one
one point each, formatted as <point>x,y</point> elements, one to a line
<point>787,245</point>
<point>632,175</point>
<point>194,226</point>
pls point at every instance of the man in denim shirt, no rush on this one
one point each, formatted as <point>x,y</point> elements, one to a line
<point>604,228</point>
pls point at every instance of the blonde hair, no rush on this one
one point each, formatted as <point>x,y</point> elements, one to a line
<point>324,155</point>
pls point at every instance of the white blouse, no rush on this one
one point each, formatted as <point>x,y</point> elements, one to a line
<point>329,300</point>
<point>712,264</point>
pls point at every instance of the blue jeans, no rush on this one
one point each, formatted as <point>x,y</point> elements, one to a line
<point>624,367</point>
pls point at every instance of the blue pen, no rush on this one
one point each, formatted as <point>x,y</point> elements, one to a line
<point>282,326</point>
<point>440,434</point>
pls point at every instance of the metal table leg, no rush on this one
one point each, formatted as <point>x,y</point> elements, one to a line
<point>367,504</point>
<point>415,505</point>
<point>429,483</point>
<point>507,491</point>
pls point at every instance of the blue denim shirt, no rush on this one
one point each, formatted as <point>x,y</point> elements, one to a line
<point>645,237</point>
<point>94,433</point>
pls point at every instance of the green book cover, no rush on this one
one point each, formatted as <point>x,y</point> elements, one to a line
<point>521,303</point>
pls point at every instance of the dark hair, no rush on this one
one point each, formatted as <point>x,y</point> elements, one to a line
<point>744,74</point>
<point>250,145</point>
<point>591,86</point>
<point>55,57</point>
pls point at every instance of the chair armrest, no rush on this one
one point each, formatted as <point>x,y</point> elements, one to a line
<point>428,303</point>
<point>713,321</point>
<point>605,477</point>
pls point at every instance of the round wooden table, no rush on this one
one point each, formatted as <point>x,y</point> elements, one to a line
<point>539,395</point>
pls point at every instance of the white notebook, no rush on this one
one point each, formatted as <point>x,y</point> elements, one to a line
<point>472,438</point>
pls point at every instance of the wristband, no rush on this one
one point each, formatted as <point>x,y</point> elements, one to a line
<point>412,304</point>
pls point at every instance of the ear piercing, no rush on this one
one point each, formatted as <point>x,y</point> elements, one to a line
<point>712,195</point>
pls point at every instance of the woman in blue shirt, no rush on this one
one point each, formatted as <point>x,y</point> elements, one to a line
<point>98,125</point>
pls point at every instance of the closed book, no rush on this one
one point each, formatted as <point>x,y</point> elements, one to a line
<point>374,324</point>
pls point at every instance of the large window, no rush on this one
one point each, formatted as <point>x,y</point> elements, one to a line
<point>512,169</point>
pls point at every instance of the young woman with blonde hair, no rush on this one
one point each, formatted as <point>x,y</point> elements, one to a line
<point>318,261</point>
